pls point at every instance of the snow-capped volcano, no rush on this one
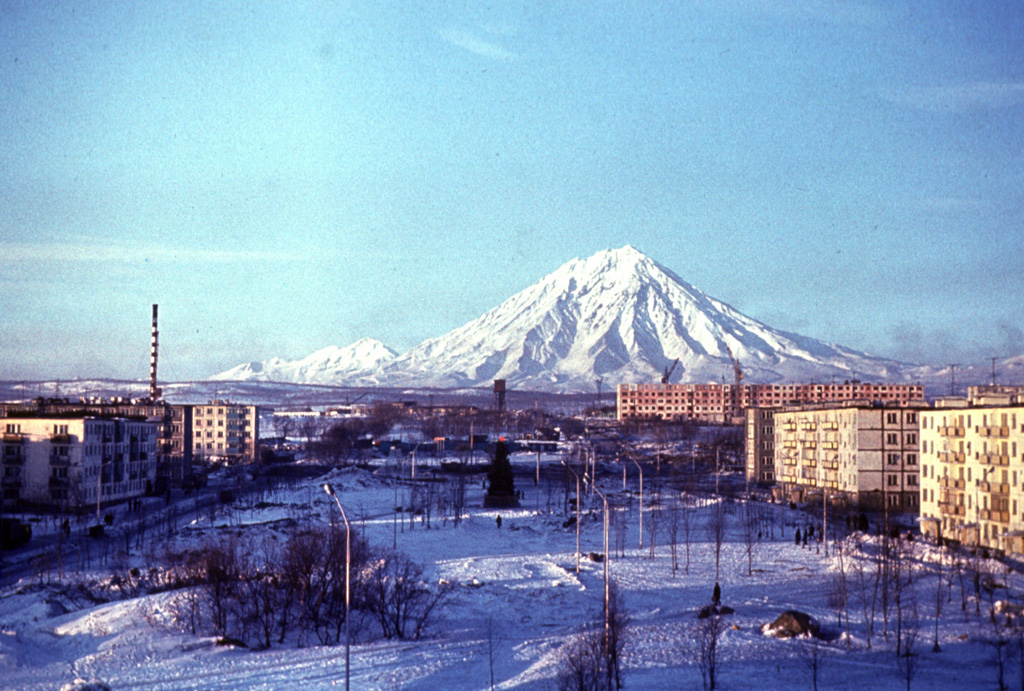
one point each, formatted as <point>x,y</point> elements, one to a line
<point>622,317</point>
<point>618,316</point>
<point>330,365</point>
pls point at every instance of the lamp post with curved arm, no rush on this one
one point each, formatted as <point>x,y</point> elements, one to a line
<point>348,567</point>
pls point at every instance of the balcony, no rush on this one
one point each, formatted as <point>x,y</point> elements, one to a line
<point>61,439</point>
<point>994,459</point>
<point>994,488</point>
<point>950,483</point>
<point>995,516</point>
<point>952,431</point>
<point>13,438</point>
<point>14,460</point>
<point>949,509</point>
<point>952,457</point>
<point>59,482</point>
<point>11,481</point>
<point>60,459</point>
<point>994,431</point>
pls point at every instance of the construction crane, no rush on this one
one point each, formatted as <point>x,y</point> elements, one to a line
<point>669,371</point>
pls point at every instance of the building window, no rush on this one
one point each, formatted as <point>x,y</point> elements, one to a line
<point>891,438</point>
<point>894,480</point>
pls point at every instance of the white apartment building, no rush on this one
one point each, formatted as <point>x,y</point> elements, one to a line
<point>223,430</point>
<point>77,462</point>
<point>864,455</point>
<point>972,485</point>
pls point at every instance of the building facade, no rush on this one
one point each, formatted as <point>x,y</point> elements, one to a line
<point>868,456</point>
<point>73,463</point>
<point>174,445</point>
<point>724,403</point>
<point>972,487</point>
<point>760,445</point>
<point>226,431</point>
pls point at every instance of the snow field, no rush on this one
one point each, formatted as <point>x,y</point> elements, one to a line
<point>514,588</point>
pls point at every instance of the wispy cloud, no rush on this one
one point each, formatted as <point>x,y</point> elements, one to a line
<point>111,253</point>
<point>472,42</point>
<point>959,98</point>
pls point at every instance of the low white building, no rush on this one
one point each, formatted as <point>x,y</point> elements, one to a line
<point>66,462</point>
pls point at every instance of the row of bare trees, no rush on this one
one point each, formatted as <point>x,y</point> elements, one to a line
<point>265,591</point>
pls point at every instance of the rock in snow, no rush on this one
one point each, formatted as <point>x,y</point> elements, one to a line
<point>617,315</point>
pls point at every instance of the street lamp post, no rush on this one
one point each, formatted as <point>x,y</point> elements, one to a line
<point>641,501</point>
<point>576,475</point>
<point>348,566</point>
<point>607,559</point>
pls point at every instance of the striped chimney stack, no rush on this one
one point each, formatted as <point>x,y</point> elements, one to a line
<point>154,390</point>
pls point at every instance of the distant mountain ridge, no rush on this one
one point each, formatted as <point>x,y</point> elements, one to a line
<point>330,365</point>
<point>617,316</point>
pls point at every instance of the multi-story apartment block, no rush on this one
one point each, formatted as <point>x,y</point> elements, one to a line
<point>223,430</point>
<point>972,486</point>
<point>724,403</point>
<point>760,432</point>
<point>77,462</point>
<point>174,450</point>
<point>865,455</point>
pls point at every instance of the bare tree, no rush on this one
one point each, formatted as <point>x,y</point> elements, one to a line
<point>813,653</point>
<point>749,520</point>
<point>615,637</point>
<point>866,569</point>
<point>1000,641</point>
<point>672,527</point>
<point>907,660</point>
<point>705,638</point>
<point>654,521</point>
<point>686,524</point>
<point>492,644</point>
<point>580,665</point>
<point>715,527</point>
<point>397,596</point>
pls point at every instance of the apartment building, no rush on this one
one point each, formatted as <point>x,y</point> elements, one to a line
<point>972,485</point>
<point>64,462</point>
<point>228,431</point>
<point>760,445</point>
<point>174,441</point>
<point>724,403</point>
<point>867,456</point>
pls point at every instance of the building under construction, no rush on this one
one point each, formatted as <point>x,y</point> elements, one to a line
<point>725,403</point>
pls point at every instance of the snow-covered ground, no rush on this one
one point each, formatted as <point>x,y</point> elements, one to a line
<point>522,577</point>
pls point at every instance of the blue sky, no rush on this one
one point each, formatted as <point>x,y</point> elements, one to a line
<point>283,178</point>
